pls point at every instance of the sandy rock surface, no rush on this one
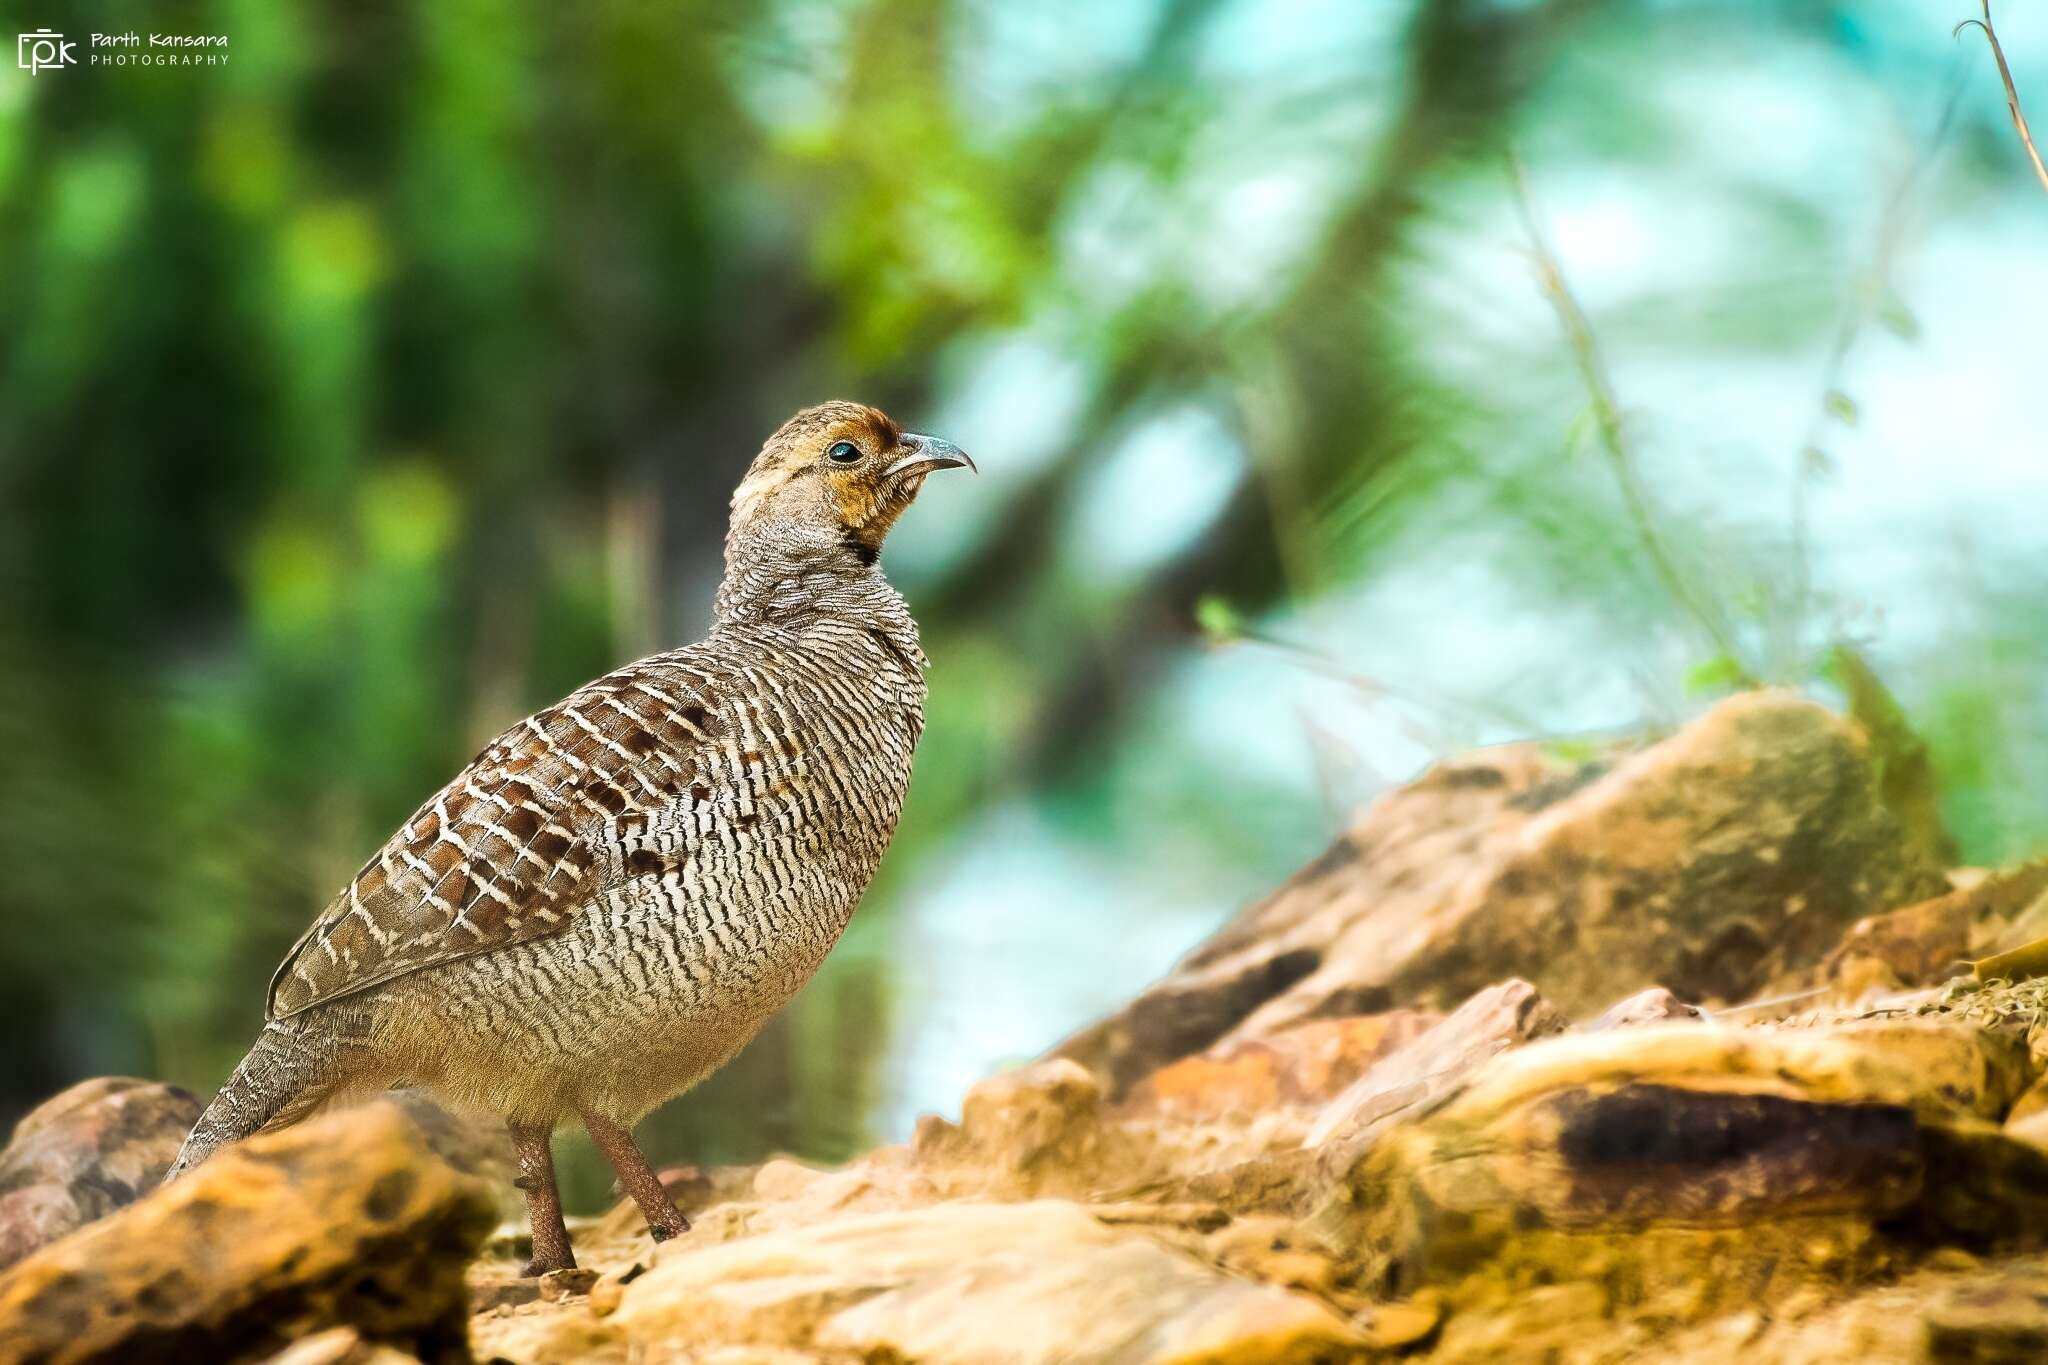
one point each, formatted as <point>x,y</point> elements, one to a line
<point>1042,1280</point>
<point>1668,1053</point>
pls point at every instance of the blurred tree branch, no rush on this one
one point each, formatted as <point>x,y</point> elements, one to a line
<point>1469,65</point>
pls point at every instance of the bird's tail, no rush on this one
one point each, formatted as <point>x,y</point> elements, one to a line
<point>291,1071</point>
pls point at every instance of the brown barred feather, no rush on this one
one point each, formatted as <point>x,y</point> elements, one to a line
<point>505,853</point>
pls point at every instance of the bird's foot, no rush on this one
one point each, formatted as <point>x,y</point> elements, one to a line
<point>548,1264</point>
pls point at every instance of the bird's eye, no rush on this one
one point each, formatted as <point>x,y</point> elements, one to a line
<point>844,452</point>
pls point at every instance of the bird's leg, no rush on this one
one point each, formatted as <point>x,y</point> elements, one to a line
<point>636,1177</point>
<point>543,1201</point>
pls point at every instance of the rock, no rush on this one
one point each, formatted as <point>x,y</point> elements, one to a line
<point>1398,1326</point>
<point>1305,1065</point>
<point>1199,1218</point>
<point>1413,1081</point>
<point>575,1282</point>
<point>1893,1320</point>
<point>553,1333</point>
<point>501,1291</point>
<point>1263,1161</point>
<point>2011,908</point>
<point>789,1195</point>
<point>344,1221</point>
<point>94,1148</point>
<point>1715,861</point>
<point>474,1145</point>
<point>1991,1319</point>
<point>1982,1188</point>
<point>1416,846</point>
<point>1047,1130</point>
<point>1653,1006</point>
<point>1722,1164</point>
<point>1023,1133</point>
<point>340,1346</point>
<point>1263,1248</point>
<point>2027,1120</point>
<point>786,1179</point>
<point>1918,945</point>
<point>972,1282</point>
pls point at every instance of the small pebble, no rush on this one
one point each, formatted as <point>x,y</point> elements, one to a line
<point>562,1284</point>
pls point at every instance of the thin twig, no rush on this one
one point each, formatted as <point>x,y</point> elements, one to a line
<point>1614,440</point>
<point>2012,93</point>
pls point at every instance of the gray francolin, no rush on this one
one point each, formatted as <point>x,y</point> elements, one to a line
<point>615,895</point>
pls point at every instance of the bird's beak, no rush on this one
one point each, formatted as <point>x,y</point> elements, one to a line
<point>926,454</point>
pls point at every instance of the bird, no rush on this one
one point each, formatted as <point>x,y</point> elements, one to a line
<point>610,900</point>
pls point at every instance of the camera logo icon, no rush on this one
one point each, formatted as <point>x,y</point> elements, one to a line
<point>43,51</point>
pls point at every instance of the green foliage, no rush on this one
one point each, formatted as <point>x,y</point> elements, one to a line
<point>1715,676</point>
<point>1218,620</point>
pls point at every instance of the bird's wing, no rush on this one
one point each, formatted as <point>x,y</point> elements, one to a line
<point>524,836</point>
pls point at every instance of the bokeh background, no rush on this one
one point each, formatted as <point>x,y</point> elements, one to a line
<point>1353,383</point>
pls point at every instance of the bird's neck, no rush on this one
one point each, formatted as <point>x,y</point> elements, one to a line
<point>792,591</point>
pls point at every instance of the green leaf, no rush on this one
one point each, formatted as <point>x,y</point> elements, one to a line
<point>1218,620</point>
<point>1571,749</point>
<point>1722,673</point>
<point>1579,434</point>
<point>1896,318</point>
<point>1841,407</point>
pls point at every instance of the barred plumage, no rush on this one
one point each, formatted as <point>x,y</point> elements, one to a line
<point>615,894</point>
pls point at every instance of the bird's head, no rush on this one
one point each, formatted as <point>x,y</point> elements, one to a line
<point>830,483</point>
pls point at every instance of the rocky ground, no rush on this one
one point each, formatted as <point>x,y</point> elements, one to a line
<point>1669,1052</point>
